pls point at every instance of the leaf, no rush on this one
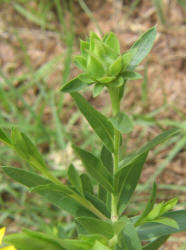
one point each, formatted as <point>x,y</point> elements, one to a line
<point>84,47</point>
<point>101,125</point>
<point>143,46</point>
<point>166,221</point>
<point>106,158</point>
<point>95,226</point>
<point>154,142</point>
<point>75,84</point>
<point>127,58</point>
<point>68,244</point>
<point>75,179</point>
<point>122,123</point>
<point>86,183</point>
<point>162,208</point>
<point>95,67</point>
<point>106,79</point>
<point>130,236</point>
<point>98,203</point>
<point>99,246</point>
<point>28,152</point>
<point>150,230</point>
<point>24,241</point>
<point>80,62</point>
<point>148,207</point>
<point>98,88</point>
<point>155,244</point>
<point>130,182</point>
<point>31,180</point>
<point>4,138</point>
<point>95,168</point>
<point>115,67</point>
<point>112,41</point>
<point>131,75</point>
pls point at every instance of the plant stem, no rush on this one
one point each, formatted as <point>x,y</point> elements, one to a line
<point>114,95</point>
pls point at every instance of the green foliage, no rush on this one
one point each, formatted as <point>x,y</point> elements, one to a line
<point>98,197</point>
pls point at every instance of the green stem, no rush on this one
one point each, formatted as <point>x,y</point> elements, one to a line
<point>114,95</point>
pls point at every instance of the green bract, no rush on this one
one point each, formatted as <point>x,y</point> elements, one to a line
<point>99,197</point>
<point>102,62</point>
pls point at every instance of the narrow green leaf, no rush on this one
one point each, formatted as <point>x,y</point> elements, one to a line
<point>98,203</point>
<point>75,179</point>
<point>127,58</point>
<point>167,221</point>
<point>99,246</point>
<point>130,236</point>
<point>75,84</point>
<point>106,79</point>
<point>154,142</point>
<point>4,138</point>
<point>97,121</point>
<point>80,62</point>
<point>32,180</point>
<point>106,158</point>
<point>152,230</point>
<point>122,123</point>
<point>115,67</point>
<point>131,75</point>
<point>102,193</point>
<point>112,41</point>
<point>95,67</point>
<point>95,226</point>
<point>98,88</point>
<point>86,183</point>
<point>155,244</point>
<point>130,182</point>
<point>84,47</point>
<point>95,168</point>
<point>24,241</point>
<point>143,45</point>
<point>148,207</point>
<point>71,194</point>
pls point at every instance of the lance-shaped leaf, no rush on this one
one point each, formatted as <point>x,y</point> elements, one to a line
<point>148,207</point>
<point>59,199</point>
<point>155,244</point>
<point>98,88</point>
<point>95,226</point>
<point>98,203</point>
<point>86,183</point>
<point>28,152</point>
<point>167,221</point>
<point>99,246</point>
<point>75,179</point>
<point>154,142</point>
<point>131,75</point>
<point>101,125</point>
<point>95,168</point>
<point>122,123</point>
<point>130,237</point>
<point>152,230</point>
<point>72,194</point>
<point>115,67</point>
<point>76,84</point>
<point>112,41</point>
<point>24,241</point>
<point>106,158</point>
<point>95,66</point>
<point>143,45</point>
<point>4,138</point>
<point>130,182</point>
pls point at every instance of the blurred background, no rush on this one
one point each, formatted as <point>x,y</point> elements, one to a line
<point>37,40</point>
